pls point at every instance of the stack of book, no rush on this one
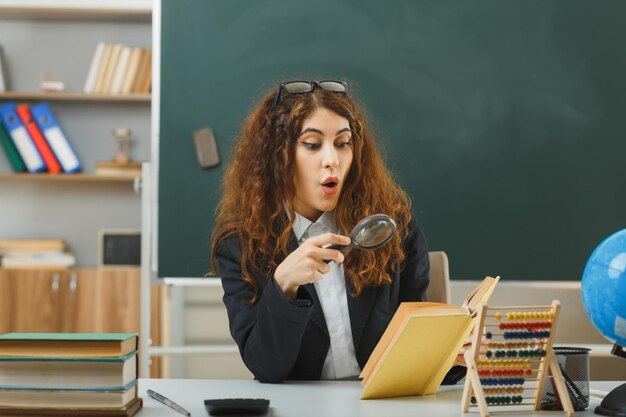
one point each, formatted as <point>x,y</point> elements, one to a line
<point>117,69</point>
<point>50,253</point>
<point>34,141</point>
<point>118,169</point>
<point>70,374</point>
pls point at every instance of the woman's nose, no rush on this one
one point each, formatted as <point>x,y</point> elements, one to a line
<point>331,159</point>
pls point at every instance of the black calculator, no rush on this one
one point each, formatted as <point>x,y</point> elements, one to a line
<point>237,406</point>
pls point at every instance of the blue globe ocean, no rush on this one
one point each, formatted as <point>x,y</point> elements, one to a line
<point>604,288</point>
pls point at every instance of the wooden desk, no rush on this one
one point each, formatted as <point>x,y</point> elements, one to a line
<point>317,398</point>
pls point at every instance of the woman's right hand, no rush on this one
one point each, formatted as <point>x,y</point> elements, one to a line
<point>306,264</point>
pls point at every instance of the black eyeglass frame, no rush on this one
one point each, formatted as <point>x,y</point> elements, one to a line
<point>312,84</point>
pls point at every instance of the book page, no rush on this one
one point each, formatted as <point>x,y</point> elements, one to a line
<point>481,293</point>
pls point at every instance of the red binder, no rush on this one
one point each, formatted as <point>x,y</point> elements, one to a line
<point>40,141</point>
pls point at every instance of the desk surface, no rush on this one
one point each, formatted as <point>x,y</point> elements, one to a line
<point>311,398</point>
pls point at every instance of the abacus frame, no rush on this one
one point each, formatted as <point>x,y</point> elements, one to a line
<point>547,363</point>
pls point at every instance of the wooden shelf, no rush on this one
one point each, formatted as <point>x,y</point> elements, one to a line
<point>24,95</point>
<point>76,10</point>
<point>63,177</point>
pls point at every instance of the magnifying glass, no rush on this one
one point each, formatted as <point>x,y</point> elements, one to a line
<point>372,232</point>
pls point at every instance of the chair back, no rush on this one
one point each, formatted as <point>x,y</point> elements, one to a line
<point>439,288</point>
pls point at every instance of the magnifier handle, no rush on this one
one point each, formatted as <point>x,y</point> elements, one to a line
<point>342,248</point>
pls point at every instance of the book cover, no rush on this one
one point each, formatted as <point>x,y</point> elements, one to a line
<point>21,139</point>
<point>75,373</point>
<point>11,151</point>
<point>23,111</point>
<point>67,344</point>
<point>128,410</point>
<point>26,244</point>
<point>420,345</point>
<point>55,398</point>
<point>94,67</point>
<point>39,259</point>
<point>56,137</point>
<point>115,169</point>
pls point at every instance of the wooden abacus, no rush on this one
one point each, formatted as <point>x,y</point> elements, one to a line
<point>511,357</point>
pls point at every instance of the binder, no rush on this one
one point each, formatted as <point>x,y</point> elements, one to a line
<point>23,111</point>
<point>12,154</point>
<point>56,138</point>
<point>20,137</point>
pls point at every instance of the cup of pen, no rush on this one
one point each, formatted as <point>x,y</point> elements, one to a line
<point>574,364</point>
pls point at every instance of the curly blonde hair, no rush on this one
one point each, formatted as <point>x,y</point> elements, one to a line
<point>259,182</point>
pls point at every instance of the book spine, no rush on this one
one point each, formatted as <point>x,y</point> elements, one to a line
<point>22,140</point>
<point>56,138</point>
<point>133,66</point>
<point>107,83</point>
<point>11,151</point>
<point>104,64</point>
<point>3,81</point>
<point>120,71</point>
<point>147,78</point>
<point>46,153</point>
<point>92,75</point>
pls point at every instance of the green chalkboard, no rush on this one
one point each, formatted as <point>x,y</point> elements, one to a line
<point>505,121</point>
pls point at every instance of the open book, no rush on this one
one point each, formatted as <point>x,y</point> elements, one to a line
<point>420,345</point>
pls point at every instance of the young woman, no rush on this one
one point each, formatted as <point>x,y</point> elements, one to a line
<point>304,171</point>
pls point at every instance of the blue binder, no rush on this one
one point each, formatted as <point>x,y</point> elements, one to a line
<point>20,137</point>
<point>56,138</point>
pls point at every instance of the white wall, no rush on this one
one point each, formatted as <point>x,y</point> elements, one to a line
<point>204,321</point>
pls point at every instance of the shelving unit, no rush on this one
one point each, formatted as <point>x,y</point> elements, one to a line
<point>59,37</point>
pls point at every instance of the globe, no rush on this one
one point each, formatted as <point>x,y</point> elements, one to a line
<point>604,298</point>
<point>604,288</point>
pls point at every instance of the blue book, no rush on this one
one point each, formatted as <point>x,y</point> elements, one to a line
<point>55,136</point>
<point>21,139</point>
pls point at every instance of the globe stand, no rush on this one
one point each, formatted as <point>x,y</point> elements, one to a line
<point>618,350</point>
<point>614,403</point>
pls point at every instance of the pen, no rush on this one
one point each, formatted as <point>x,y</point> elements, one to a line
<point>168,402</point>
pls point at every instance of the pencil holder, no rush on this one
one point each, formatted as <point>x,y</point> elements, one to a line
<point>574,364</point>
